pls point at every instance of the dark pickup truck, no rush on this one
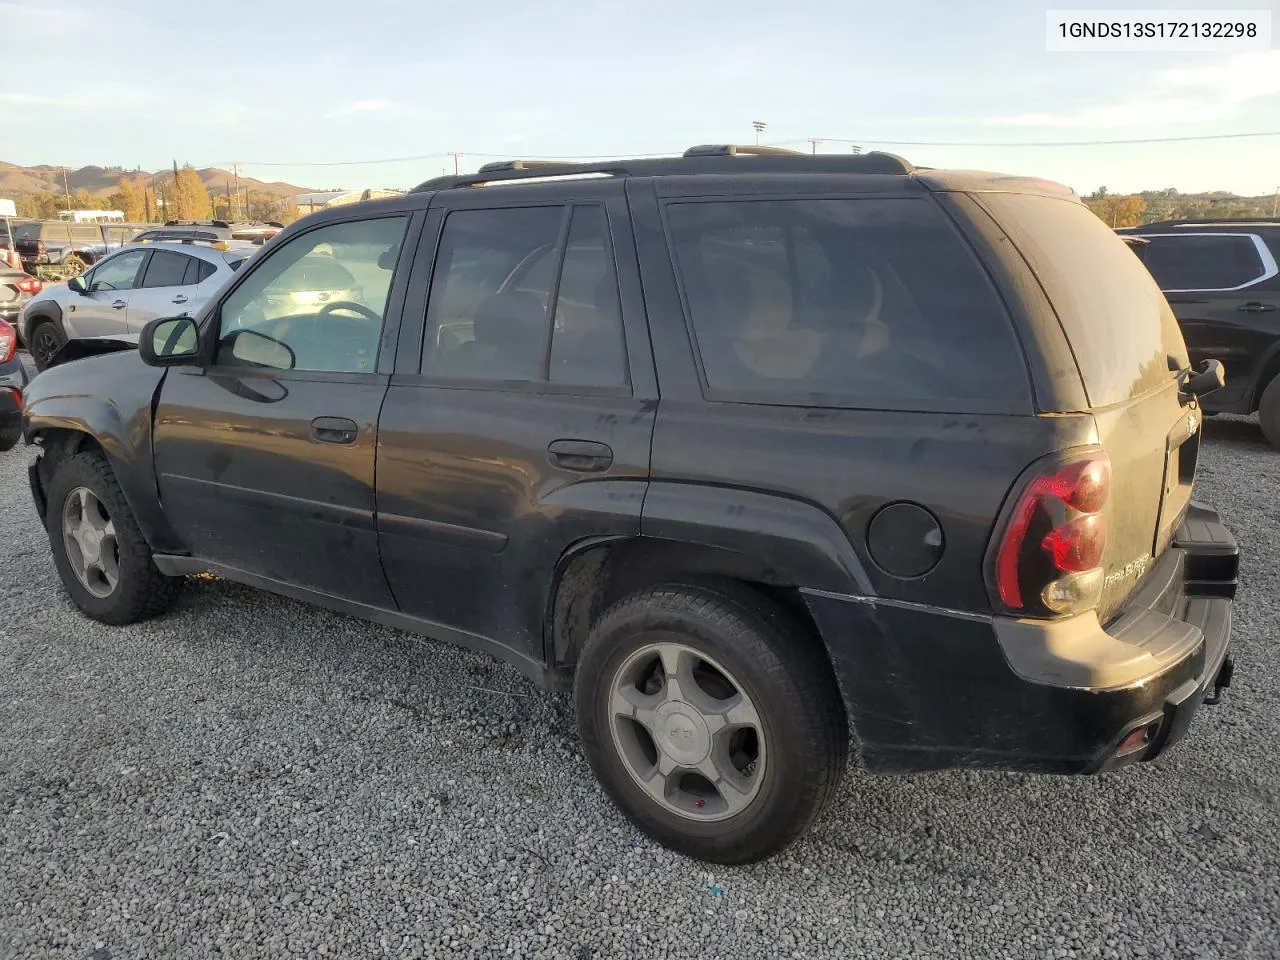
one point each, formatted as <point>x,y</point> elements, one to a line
<point>69,248</point>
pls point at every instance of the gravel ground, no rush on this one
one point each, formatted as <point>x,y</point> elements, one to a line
<point>250,777</point>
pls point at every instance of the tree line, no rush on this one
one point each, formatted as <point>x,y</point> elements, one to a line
<point>145,199</point>
<point>1150,206</point>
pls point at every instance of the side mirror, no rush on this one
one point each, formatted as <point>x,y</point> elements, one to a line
<point>78,285</point>
<point>169,341</point>
<point>256,349</point>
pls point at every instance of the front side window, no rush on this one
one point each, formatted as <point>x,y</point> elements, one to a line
<point>839,302</point>
<point>511,301</point>
<point>118,273</point>
<point>1202,261</point>
<point>323,295</point>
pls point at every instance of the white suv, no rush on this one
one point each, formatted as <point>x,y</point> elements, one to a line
<point>122,292</point>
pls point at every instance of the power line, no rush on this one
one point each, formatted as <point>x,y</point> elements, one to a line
<point>812,141</point>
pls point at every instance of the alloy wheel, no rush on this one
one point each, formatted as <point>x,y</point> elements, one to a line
<point>686,731</point>
<point>89,536</point>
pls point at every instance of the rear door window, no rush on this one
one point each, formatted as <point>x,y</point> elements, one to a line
<point>166,269</point>
<point>1205,261</point>
<point>872,303</point>
<point>517,298</point>
<point>1119,325</point>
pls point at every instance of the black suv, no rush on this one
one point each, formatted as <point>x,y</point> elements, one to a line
<point>1222,280</point>
<point>762,454</point>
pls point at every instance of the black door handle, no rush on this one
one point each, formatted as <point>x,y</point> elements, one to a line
<point>1256,306</point>
<point>333,430</point>
<point>582,456</point>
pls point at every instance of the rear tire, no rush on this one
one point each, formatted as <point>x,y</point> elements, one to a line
<point>719,676</point>
<point>46,340</point>
<point>122,584</point>
<point>1269,412</point>
<point>9,437</point>
<point>74,265</point>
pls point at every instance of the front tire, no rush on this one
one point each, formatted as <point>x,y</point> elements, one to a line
<point>46,341</point>
<point>712,720</point>
<point>101,555</point>
<point>1269,412</point>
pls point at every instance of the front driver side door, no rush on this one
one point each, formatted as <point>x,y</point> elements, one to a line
<point>268,471</point>
<point>104,310</point>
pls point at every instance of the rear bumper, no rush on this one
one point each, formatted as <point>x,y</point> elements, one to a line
<point>929,689</point>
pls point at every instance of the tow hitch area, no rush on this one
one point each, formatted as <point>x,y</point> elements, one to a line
<point>1220,682</point>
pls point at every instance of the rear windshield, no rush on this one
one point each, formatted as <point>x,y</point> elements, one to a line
<point>1121,330</point>
<point>874,303</point>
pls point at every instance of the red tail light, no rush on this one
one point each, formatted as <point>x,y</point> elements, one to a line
<point>1049,557</point>
<point>8,342</point>
<point>30,285</point>
<point>40,247</point>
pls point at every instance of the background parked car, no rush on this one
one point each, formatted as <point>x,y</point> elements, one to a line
<point>68,249</point>
<point>1222,280</point>
<point>13,378</point>
<point>123,292</point>
<point>16,288</point>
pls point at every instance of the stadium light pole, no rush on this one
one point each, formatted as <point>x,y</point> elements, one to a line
<point>759,125</point>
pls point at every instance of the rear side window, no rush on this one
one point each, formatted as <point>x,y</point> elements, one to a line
<point>1121,330</point>
<point>1204,261</point>
<point>874,303</point>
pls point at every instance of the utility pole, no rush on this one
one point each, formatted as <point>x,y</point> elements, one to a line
<point>65,188</point>
<point>813,144</point>
<point>1275,204</point>
<point>235,170</point>
<point>759,125</point>
<point>455,162</point>
<point>856,149</point>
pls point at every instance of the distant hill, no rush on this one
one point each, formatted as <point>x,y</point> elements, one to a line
<point>101,181</point>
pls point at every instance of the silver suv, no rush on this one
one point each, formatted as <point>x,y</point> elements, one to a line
<point>122,292</point>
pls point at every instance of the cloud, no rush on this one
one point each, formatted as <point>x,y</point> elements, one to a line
<point>1213,91</point>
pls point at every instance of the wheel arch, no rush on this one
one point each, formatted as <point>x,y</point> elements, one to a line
<point>1268,370</point>
<point>63,429</point>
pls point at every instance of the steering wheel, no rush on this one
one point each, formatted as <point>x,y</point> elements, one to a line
<point>359,308</point>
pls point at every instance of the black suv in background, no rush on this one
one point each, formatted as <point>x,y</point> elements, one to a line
<point>1222,280</point>
<point>762,454</point>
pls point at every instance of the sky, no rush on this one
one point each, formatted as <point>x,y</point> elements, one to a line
<point>305,91</point>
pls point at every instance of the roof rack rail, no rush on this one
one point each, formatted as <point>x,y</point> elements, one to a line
<point>196,223</point>
<point>500,166</point>
<point>734,149</point>
<point>710,159</point>
<point>504,170</point>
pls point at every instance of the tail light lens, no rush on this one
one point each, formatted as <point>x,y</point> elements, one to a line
<point>1048,558</point>
<point>8,342</point>
<point>30,285</point>
<point>40,247</point>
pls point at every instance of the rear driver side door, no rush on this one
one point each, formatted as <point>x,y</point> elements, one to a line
<point>168,286</point>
